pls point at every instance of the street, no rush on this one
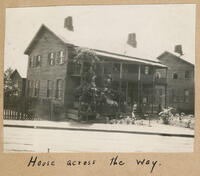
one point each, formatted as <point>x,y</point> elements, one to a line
<point>42,140</point>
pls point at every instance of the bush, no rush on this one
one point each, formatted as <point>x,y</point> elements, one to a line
<point>165,115</point>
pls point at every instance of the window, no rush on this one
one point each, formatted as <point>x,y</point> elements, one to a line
<point>107,68</point>
<point>186,96</point>
<point>175,76</point>
<point>158,75</point>
<point>77,69</point>
<point>160,92</point>
<point>144,100</point>
<point>17,84</point>
<point>58,88</point>
<point>31,61</point>
<point>37,86</point>
<point>146,70</point>
<point>29,87</point>
<point>60,57</point>
<point>51,58</point>
<point>174,96</point>
<point>187,74</point>
<point>116,67</point>
<point>38,61</point>
<point>49,88</point>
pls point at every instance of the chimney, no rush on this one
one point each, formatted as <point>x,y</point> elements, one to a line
<point>178,49</point>
<point>132,40</point>
<point>68,24</point>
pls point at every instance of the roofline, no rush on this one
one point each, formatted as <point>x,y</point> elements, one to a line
<point>167,52</point>
<point>37,33</point>
<point>15,71</point>
<point>71,44</point>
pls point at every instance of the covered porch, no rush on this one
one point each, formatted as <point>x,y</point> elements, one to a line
<point>135,79</point>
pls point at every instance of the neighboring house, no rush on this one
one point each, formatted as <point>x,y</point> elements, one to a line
<point>52,75</point>
<point>19,82</point>
<point>180,81</point>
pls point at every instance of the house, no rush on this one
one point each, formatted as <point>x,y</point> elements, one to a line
<point>52,75</point>
<point>19,82</point>
<point>180,80</point>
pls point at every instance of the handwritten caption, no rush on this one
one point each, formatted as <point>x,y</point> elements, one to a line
<point>114,161</point>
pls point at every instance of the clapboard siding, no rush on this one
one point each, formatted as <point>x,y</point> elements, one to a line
<point>48,43</point>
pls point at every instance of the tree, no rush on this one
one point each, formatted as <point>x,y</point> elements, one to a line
<point>10,88</point>
<point>93,95</point>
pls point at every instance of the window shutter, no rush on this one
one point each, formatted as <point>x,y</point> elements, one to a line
<point>58,57</point>
<point>30,61</point>
<point>49,58</point>
<point>40,60</point>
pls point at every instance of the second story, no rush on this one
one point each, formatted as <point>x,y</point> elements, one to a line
<point>46,54</point>
<point>118,67</point>
<point>180,72</point>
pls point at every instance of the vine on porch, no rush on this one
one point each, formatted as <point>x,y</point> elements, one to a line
<point>96,94</point>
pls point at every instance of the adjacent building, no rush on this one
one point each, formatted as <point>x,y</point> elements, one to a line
<point>19,82</point>
<point>180,80</point>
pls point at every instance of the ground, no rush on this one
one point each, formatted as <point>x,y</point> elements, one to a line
<point>44,136</point>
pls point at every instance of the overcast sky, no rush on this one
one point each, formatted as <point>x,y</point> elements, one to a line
<point>158,27</point>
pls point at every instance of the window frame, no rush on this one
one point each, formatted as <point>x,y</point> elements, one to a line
<point>175,74</point>
<point>51,57</point>
<point>38,61</point>
<point>146,70</point>
<point>49,88</point>
<point>186,96</point>
<point>61,57</point>
<point>31,62</point>
<point>59,91</point>
<point>187,74</point>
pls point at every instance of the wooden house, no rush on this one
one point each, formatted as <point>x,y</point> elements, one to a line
<point>180,80</point>
<point>53,76</point>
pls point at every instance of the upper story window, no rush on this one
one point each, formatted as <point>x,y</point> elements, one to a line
<point>61,57</point>
<point>38,61</point>
<point>158,75</point>
<point>52,58</point>
<point>31,61</point>
<point>116,67</point>
<point>175,76</point>
<point>146,70</point>
<point>187,74</point>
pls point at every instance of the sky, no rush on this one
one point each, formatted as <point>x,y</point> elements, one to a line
<point>158,28</point>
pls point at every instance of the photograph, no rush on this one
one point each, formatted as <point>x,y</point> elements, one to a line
<point>99,78</point>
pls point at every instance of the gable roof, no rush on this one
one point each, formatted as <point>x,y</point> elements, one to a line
<point>37,36</point>
<point>71,38</point>
<point>14,73</point>
<point>176,55</point>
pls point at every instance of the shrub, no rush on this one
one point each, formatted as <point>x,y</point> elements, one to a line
<point>165,115</point>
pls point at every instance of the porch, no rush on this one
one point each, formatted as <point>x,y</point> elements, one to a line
<point>136,81</point>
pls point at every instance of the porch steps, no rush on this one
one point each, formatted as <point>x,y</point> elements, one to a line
<point>72,114</point>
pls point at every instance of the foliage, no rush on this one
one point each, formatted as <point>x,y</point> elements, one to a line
<point>94,95</point>
<point>10,88</point>
<point>165,114</point>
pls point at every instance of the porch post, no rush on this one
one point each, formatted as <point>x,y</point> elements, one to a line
<point>120,76</point>
<point>139,78</point>
<point>166,87</point>
<point>153,91</point>
<point>120,86</point>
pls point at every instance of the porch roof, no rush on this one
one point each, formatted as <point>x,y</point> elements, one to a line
<point>129,59</point>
